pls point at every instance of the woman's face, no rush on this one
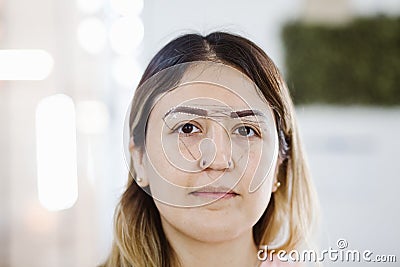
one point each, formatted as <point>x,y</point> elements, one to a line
<point>210,155</point>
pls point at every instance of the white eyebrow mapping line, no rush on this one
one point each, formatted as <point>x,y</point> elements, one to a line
<point>205,113</point>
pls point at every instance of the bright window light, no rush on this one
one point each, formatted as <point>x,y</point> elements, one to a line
<point>126,33</point>
<point>25,64</point>
<point>89,6</point>
<point>126,72</point>
<point>56,152</point>
<point>127,7</point>
<point>92,35</point>
<point>92,117</point>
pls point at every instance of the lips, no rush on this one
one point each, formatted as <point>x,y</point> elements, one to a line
<point>215,192</point>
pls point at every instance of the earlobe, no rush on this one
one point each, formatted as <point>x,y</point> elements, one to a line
<point>131,144</point>
<point>277,183</point>
<point>138,166</point>
<point>275,187</point>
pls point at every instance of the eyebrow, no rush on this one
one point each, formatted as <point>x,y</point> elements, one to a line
<point>203,112</point>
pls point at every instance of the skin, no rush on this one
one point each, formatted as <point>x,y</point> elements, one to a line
<point>209,228</point>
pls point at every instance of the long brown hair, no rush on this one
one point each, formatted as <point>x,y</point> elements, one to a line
<point>139,239</point>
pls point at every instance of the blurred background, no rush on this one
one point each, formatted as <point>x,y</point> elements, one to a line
<point>64,101</point>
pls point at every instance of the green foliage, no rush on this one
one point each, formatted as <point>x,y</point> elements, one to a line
<point>357,63</point>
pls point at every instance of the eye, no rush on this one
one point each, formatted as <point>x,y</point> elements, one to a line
<point>188,128</point>
<point>245,131</point>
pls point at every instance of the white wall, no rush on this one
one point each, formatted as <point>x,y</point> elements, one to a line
<point>258,20</point>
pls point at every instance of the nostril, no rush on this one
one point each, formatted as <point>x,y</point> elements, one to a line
<point>203,163</point>
<point>215,154</point>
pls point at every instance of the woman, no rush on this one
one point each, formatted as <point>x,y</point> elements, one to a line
<point>216,164</point>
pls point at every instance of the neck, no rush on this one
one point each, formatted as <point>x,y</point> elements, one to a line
<point>240,251</point>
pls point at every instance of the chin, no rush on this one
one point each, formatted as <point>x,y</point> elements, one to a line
<point>208,224</point>
<point>217,228</point>
<point>215,234</point>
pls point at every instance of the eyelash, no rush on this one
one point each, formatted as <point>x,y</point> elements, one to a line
<point>178,129</point>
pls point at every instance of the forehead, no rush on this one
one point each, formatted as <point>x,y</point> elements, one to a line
<point>213,86</point>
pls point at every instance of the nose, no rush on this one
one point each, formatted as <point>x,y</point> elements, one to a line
<point>221,148</point>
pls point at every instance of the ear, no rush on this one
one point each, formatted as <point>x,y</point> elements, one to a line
<point>138,166</point>
<point>275,184</point>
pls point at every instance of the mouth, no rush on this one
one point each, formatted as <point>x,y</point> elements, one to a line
<point>214,192</point>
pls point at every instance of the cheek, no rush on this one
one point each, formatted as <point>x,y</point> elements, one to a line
<point>188,146</point>
<point>259,199</point>
<point>260,167</point>
<point>255,169</point>
<point>160,161</point>
<point>258,183</point>
<point>167,184</point>
<point>161,174</point>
